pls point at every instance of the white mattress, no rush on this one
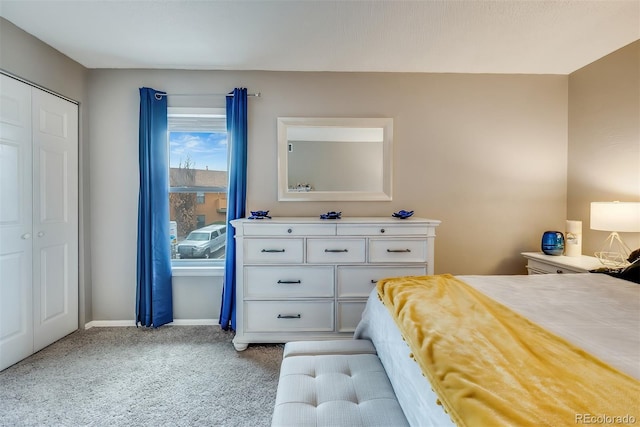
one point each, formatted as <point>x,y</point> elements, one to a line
<point>596,312</point>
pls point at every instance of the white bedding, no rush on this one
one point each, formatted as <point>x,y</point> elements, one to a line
<point>596,312</point>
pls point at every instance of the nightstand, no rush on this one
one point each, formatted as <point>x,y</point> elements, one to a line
<point>540,263</point>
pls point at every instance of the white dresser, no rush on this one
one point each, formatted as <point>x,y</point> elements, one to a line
<point>302,278</point>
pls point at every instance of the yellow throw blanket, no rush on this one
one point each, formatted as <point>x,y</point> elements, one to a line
<point>490,366</point>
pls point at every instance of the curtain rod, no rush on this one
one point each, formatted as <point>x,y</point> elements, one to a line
<point>160,95</point>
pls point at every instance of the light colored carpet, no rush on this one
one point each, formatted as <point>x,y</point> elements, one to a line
<point>170,376</point>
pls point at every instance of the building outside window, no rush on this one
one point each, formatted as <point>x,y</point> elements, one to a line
<point>198,179</point>
<point>201,220</point>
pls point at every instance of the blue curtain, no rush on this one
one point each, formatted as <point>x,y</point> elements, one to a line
<point>154,300</point>
<point>236,198</point>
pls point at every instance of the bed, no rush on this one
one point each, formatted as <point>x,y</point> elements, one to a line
<point>594,313</point>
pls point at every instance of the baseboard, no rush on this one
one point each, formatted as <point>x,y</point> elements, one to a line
<point>195,322</point>
<point>108,323</point>
<point>123,323</point>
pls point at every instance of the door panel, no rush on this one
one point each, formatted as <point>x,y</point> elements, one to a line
<point>53,291</point>
<point>10,170</point>
<point>55,145</point>
<point>54,192</point>
<point>16,298</point>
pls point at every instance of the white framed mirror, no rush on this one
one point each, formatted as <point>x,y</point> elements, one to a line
<point>334,159</point>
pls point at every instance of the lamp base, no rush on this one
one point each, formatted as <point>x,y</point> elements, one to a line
<point>614,252</point>
<point>612,259</point>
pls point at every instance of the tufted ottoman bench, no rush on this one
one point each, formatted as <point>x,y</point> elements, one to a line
<point>334,383</point>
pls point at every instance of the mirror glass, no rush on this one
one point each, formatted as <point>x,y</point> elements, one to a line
<point>334,159</point>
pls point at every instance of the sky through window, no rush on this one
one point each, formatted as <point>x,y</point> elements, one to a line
<point>206,150</point>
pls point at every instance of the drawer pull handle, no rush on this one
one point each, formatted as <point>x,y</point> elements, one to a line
<point>559,271</point>
<point>398,250</point>
<point>272,250</point>
<point>336,250</point>
<point>289,316</point>
<point>290,281</point>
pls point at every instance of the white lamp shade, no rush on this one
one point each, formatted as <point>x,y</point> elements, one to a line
<point>615,216</point>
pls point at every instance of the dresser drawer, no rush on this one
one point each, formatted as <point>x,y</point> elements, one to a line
<point>382,230</point>
<point>335,250</point>
<point>273,250</point>
<point>288,316</point>
<point>288,282</point>
<point>397,250</point>
<point>284,230</point>
<point>537,267</point>
<point>359,281</point>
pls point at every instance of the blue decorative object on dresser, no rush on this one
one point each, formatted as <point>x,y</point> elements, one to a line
<point>259,215</point>
<point>331,215</point>
<point>402,214</point>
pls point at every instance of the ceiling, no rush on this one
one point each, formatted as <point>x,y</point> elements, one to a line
<point>446,36</point>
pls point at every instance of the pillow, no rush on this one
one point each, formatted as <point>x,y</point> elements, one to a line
<point>632,272</point>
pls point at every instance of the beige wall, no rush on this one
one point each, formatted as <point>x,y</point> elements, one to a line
<point>28,58</point>
<point>482,153</point>
<point>604,139</point>
<point>485,154</point>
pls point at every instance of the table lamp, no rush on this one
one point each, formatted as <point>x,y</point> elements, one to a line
<point>616,217</point>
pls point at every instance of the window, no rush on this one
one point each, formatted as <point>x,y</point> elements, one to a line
<point>198,171</point>
<point>201,220</point>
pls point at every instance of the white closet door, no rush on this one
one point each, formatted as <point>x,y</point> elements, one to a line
<point>16,236</point>
<point>55,219</point>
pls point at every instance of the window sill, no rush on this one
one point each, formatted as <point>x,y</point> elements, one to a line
<point>197,271</point>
